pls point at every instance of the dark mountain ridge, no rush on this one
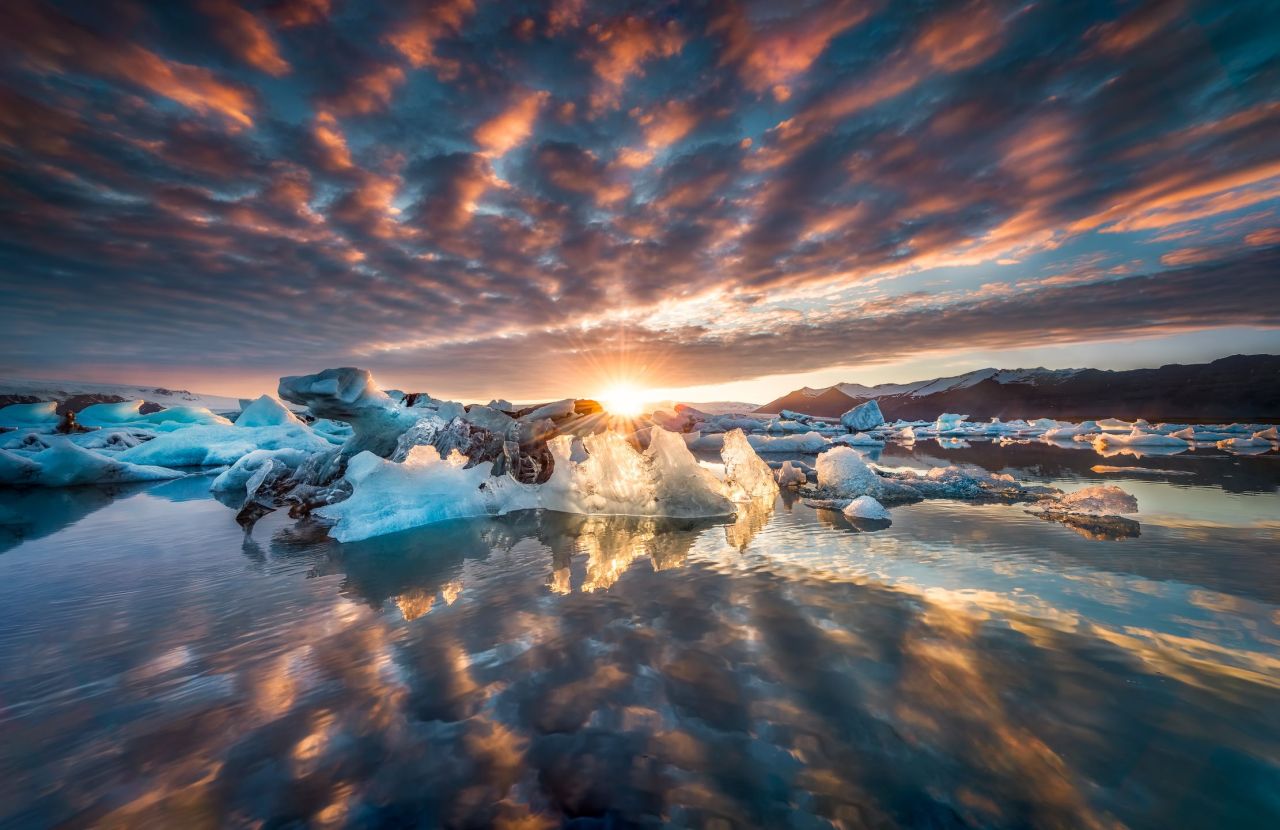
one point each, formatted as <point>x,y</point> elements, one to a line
<point>1236,388</point>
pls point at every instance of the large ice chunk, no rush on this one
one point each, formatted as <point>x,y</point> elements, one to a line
<point>1100,500</point>
<point>809,442</point>
<point>215,444</point>
<point>350,395</point>
<point>42,416</point>
<point>1138,438</point>
<point>266,411</point>
<point>746,476</point>
<point>129,413</point>
<point>235,477</point>
<point>863,417</point>
<point>842,471</point>
<point>949,421</point>
<point>65,464</point>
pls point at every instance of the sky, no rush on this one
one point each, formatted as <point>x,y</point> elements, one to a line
<point>711,200</point>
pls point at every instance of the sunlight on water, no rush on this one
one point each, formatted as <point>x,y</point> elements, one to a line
<point>967,666</point>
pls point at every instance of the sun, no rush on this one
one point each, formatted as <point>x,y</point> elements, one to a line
<point>624,399</point>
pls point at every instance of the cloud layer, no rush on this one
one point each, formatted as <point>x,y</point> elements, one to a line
<point>465,194</point>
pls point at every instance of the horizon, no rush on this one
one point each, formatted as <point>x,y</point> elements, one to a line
<point>708,202</point>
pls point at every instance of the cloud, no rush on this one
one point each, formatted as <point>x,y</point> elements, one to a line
<point>245,36</point>
<point>509,128</point>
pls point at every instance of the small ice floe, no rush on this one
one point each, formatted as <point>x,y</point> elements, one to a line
<point>1138,438</point>
<point>809,442</point>
<point>863,417</point>
<point>1093,512</point>
<point>858,439</point>
<point>37,416</point>
<point>64,464</point>
<point>866,507</point>
<point>949,421</point>
<point>1245,446</point>
<point>792,474</point>
<point>1139,471</point>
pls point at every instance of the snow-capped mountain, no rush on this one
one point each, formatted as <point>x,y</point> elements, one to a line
<point>79,394</point>
<point>1242,386</point>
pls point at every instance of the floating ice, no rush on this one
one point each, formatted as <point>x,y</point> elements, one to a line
<point>350,395</point>
<point>1138,438</point>
<point>746,476</point>
<point>238,475</point>
<point>30,415</point>
<point>863,417</point>
<point>1100,500</point>
<point>215,444</point>
<point>858,439</point>
<point>266,411</point>
<point>791,475</point>
<point>129,413</point>
<point>949,421</point>
<point>843,472</point>
<point>65,464</point>
<point>1252,443</point>
<point>809,442</point>
<point>865,507</point>
<point>613,479</point>
<point>1068,432</point>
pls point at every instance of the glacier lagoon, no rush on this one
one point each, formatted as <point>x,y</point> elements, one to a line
<point>966,665</point>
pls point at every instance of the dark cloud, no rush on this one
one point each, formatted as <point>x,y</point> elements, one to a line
<point>420,186</point>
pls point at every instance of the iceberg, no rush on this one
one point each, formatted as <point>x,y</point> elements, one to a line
<point>42,416</point>
<point>858,439</point>
<point>238,475</point>
<point>1100,500</point>
<point>65,464</point>
<point>350,395</point>
<point>948,421</point>
<point>1138,438</point>
<point>215,444</point>
<point>746,476</point>
<point>267,411</point>
<point>863,417</point>
<point>808,443</point>
<point>865,507</point>
<point>842,471</point>
<point>129,413</point>
<point>791,474</point>
<point>612,478</point>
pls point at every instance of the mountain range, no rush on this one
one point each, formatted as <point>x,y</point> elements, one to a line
<point>1241,387</point>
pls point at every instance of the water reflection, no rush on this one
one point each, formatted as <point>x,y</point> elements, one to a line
<point>967,666</point>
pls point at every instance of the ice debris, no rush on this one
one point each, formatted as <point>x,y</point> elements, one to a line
<point>863,417</point>
<point>866,507</point>
<point>65,464</point>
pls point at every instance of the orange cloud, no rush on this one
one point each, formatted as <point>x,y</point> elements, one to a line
<point>245,36</point>
<point>332,143</point>
<point>1266,236</point>
<point>290,13</point>
<point>1137,27</point>
<point>368,93</point>
<point>667,123</point>
<point>416,39</point>
<point>510,128</point>
<point>771,56</point>
<point>620,50</point>
<point>56,42</point>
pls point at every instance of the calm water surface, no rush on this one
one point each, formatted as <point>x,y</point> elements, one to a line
<point>970,666</point>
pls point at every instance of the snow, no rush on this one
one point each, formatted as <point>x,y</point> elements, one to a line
<point>865,507</point>
<point>216,444</point>
<point>809,442</point>
<point>61,390</point>
<point>746,476</point>
<point>266,411</point>
<point>30,415</point>
<point>842,471</point>
<point>863,417</point>
<point>65,464</point>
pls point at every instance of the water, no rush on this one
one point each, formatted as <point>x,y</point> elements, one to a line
<point>968,666</point>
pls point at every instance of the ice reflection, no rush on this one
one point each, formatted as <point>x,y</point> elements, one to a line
<point>967,666</point>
